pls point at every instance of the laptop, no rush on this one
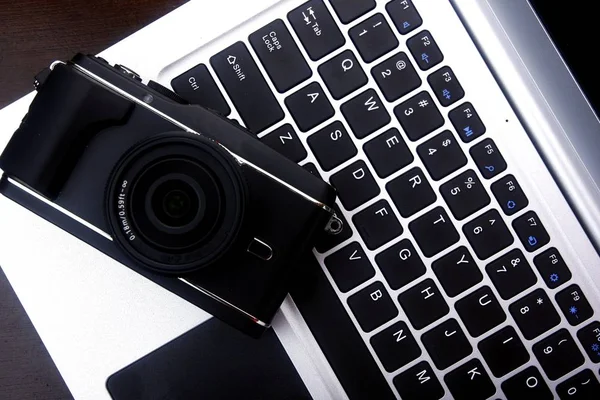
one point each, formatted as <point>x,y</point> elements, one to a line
<point>464,155</point>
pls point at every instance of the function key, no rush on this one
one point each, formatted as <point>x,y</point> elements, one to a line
<point>349,267</point>
<point>419,116</point>
<point>400,264</point>
<point>446,87</point>
<point>465,194</point>
<point>552,268</point>
<point>372,306</point>
<point>589,337</point>
<point>198,87</point>
<point>309,106</point>
<point>388,153</point>
<point>396,76</point>
<point>509,194</point>
<point>423,304</point>
<point>470,381</point>
<point>527,384</point>
<point>467,123</point>
<point>457,271</point>
<point>503,351</point>
<point>425,50</point>
<point>343,74</point>
<point>442,155</point>
<point>446,344</point>
<point>530,230</point>
<point>395,346</point>
<point>574,305</point>
<point>488,158</point>
<point>348,11</point>
<point>377,224</point>
<point>411,192</point>
<point>488,234</point>
<point>404,15</point>
<point>355,185</point>
<point>480,311</point>
<point>419,383</point>
<point>511,274</point>
<point>332,146</point>
<point>434,232</point>
<point>316,29</point>
<point>373,37</point>
<point>365,113</point>
<point>558,354</point>
<point>583,386</point>
<point>285,141</point>
<point>326,242</point>
<point>534,314</point>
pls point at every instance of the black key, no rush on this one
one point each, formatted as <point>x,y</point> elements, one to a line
<point>480,311</point>
<point>372,306</point>
<point>534,314</point>
<point>530,230</point>
<point>446,87</point>
<point>244,84</point>
<point>349,10</point>
<point>312,168</point>
<point>411,192</point>
<point>400,264</point>
<point>583,386</point>
<point>457,271</point>
<point>552,268</point>
<point>446,344</point>
<point>388,153</point>
<point>488,158</point>
<point>373,37</point>
<point>511,274</point>
<point>527,384</point>
<point>285,141</point>
<point>423,304</point>
<point>418,383</point>
<point>316,29</point>
<point>404,15</point>
<point>467,123</point>
<point>279,54</point>
<point>589,336</point>
<point>332,146</point>
<point>442,155</point>
<point>558,354</point>
<point>198,87</point>
<point>419,116</point>
<point>434,232</point>
<point>488,234</point>
<point>396,76</point>
<point>365,113</point>
<point>326,242</point>
<point>509,194</point>
<point>574,305</point>
<point>470,381</point>
<point>349,267</point>
<point>503,351</point>
<point>465,194</point>
<point>309,106</point>
<point>377,224</point>
<point>343,74</point>
<point>425,50</point>
<point>355,185</point>
<point>395,346</point>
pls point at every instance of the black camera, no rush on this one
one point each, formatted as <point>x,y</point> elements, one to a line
<point>174,191</point>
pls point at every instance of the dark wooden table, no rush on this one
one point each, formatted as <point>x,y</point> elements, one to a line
<point>33,33</point>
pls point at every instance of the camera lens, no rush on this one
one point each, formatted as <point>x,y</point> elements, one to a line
<point>176,205</point>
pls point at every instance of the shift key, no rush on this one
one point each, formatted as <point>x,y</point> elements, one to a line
<point>247,88</point>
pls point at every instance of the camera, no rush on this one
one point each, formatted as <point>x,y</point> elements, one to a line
<point>174,191</point>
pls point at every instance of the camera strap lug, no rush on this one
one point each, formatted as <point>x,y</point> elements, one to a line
<point>41,77</point>
<point>334,226</point>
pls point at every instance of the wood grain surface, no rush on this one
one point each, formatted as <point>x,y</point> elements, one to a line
<point>34,33</point>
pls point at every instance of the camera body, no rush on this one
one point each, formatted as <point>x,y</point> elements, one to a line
<point>174,191</point>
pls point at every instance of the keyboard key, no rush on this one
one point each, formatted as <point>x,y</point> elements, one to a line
<point>198,87</point>
<point>365,113</point>
<point>395,346</point>
<point>465,194</point>
<point>349,267</point>
<point>552,268</point>
<point>425,50</point>
<point>285,141</point>
<point>312,168</point>
<point>589,336</point>
<point>411,192</point>
<point>372,306</point>
<point>419,116</point>
<point>349,10</point>
<point>418,383</point>
<point>530,230</point>
<point>388,153</point>
<point>470,381</point>
<point>558,354</point>
<point>446,87</point>
<point>527,384</point>
<point>574,305</point>
<point>434,232</point>
<point>457,271</point>
<point>511,274</point>
<point>244,83</point>
<point>423,304</point>
<point>377,224</point>
<point>343,74</point>
<point>442,155</point>
<point>446,344</point>
<point>396,77</point>
<point>355,185</point>
<point>488,158</point>
<point>373,37</point>
<point>316,29</point>
<point>400,264</point>
<point>467,123</point>
<point>503,351</point>
<point>332,146</point>
<point>326,242</point>
<point>534,314</point>
<point>404,15</point>
<point>309,107</point>
<point>480,311</point>
<point>488,234</point>
<point>583,386</point>
<point>509,194</point>
<point>279,54</point>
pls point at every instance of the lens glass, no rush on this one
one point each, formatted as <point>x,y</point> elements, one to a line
<point>175,203</point>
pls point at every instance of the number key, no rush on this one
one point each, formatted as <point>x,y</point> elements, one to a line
<point>465,194</point>
<point>442,155</point>
<point>488,158</point>
<point>425,50</point>
<point>373,37</point>
<point>574,305</point>
<point>332,146</point>
<point>488,234</point>
<point>396,77</point>
<point>509,194</point>
<point>446,87</point>
<point>534,314</point>
<point>395,346</point>
<point>419,116</point>
<point>558,354</point>
<point>530,230</point>
<point>583,386</point>
<point>467,123</point>
<point>511,274</point>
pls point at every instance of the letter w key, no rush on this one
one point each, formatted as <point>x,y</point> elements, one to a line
<point>365,113</point>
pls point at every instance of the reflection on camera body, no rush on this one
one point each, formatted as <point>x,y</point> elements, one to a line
<point>178,193</point>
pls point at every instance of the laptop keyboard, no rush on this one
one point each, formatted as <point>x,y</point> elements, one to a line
<point>485,320</point>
